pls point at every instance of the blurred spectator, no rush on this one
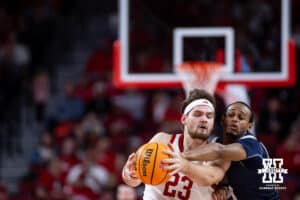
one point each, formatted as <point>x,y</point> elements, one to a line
<point>83,90</point>
<point>289,150</point>
<point>173,111</point>
<point>270,116</point>
<point>100,102</point>
<point>80,191</point>
<point>99,64</point>
<point>68,154</point>
<point>91,124</point>
<point>13,52</point>
<point>41,94</point>
<point>125,192</point>
<point>44,152</point>
<point>119,163</point>
<point>133,101</point>
<point>166,111</point>
<point>119,124</point>
<point>159,105</point>
<point>269,123</point>
<point>80,138</point>
<point>62,130</point>
<point>110,159</point>
<point>88,173</point>
<point>68,107</point>
<point>51,181</point>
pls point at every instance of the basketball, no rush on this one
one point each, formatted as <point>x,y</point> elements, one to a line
<point>148,169</point>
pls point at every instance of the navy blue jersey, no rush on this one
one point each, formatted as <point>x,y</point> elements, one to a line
<point>243,175</point>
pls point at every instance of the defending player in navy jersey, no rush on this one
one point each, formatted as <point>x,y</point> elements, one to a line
<point>243,149</point>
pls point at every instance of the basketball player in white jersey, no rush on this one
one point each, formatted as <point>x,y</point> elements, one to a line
<point>189,180</point>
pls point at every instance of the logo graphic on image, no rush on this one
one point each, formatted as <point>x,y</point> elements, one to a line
<point>272,171</point>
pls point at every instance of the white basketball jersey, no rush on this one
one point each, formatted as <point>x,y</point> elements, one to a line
<point>179,186</point>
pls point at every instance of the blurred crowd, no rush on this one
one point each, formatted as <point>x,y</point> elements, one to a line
<point>91,128</point>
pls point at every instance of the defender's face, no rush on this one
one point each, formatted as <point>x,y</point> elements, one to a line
<point>236,120</point>
<point>199,122</point>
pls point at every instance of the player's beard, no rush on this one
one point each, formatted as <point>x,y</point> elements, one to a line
<point>196,135</point>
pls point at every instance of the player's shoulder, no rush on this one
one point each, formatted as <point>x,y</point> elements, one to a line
<point>249,136</point>
<point>161,137</point>
<point>215,140</point>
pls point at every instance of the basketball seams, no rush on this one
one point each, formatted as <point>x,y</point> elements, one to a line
<point>154,163</point>
<point>166,174</point>
<point>139,163</point>
<point>163,179</point>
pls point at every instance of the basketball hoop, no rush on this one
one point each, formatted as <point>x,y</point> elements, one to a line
<point>199,75</point>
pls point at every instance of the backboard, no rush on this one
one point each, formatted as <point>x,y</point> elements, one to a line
<point>250,38</point>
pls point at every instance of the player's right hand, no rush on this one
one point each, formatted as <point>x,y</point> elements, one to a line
<point>130,169</point>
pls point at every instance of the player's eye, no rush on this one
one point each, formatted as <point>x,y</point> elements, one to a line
<point>197,114</point>
<point>209,115</point>
<point>230,114</point>
<point>241,117</point>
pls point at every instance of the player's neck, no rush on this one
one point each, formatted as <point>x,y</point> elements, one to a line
<point>229,139</point>
<point>189,143</point>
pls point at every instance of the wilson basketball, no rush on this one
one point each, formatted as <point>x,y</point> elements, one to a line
<point>149,157</point>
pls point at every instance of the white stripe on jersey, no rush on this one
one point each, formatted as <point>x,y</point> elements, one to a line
<point>248,136</point>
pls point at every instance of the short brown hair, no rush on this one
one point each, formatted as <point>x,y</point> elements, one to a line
<point>198,94</point>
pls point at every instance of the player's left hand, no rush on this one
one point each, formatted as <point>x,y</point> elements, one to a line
<point>176,163</point>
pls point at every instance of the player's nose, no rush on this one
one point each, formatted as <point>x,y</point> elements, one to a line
<point>235,118</point>
<point>203,119</point>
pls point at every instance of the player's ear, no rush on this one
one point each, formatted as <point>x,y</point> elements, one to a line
<point>183,117</point>
<point>250,125</point>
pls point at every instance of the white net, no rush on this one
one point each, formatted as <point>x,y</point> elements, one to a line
<point>199,75</point>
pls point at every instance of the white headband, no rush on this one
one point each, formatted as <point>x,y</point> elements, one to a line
<point>198,102</point>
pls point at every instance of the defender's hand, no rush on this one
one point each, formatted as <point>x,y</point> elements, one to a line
<point>219,194</point>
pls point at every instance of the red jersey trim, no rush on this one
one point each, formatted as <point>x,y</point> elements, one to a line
<point>172,138</point>
<point>180,142</point>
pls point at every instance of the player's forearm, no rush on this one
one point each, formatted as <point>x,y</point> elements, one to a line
<point>209,152</point>
<point>129,180</point>
<point>216,151</point>
<point>203,175</point>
